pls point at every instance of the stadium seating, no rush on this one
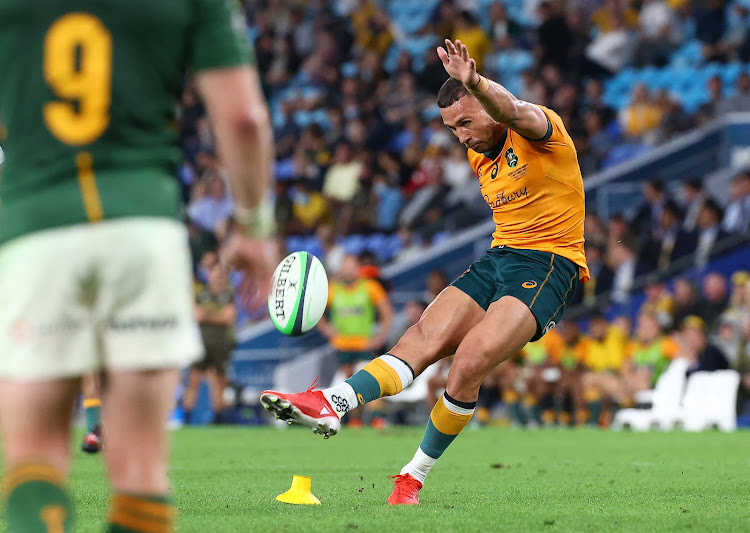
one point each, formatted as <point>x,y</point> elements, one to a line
<point>684,79</point>
<point>664,398</point>
<point>710,399</point>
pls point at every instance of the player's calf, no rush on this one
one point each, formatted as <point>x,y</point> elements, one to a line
<point>447,419</point>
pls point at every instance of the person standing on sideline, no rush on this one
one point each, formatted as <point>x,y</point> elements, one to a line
<point>216,314</point>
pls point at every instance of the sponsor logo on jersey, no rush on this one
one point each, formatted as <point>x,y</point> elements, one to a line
<point>140,322</point>
<point>493,172</point>
<point>529,284</point>
<point>511,157</point>
<point>501,199</point>
<point>520,172</point>
<point>23,331</point>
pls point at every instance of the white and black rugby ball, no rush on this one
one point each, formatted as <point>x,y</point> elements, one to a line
<point>299,294</point>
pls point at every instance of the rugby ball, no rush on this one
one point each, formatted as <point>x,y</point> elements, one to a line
<point>299,294</point>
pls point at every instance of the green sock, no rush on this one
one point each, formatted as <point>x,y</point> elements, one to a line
<point>131,513</point>
<point>595,410</point>
<point>92,409</point>
<point>517,413</point>
<point>37,500</point>
<point>447,419</point>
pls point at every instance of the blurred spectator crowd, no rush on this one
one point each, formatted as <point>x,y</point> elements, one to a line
<point>363,161</point>
<point>665,235</point>
<point>583,371</point>
<point>576,376</point>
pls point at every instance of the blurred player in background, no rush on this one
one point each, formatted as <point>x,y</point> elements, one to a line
<point>606,351</point>
<point>95,270</point>
<point>359,317</point>
<point>91,390</point>
<point>529,176</point>
<point>216,314</point>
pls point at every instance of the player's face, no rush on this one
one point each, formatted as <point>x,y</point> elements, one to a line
<point>349,268</point>
<point>598,329</point>
<point>474,128</point>
<point>648,328</point>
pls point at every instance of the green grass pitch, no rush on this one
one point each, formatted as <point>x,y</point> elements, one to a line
<point>495,479</point>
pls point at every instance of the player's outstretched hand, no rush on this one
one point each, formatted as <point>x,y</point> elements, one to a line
<point>458,63</point>
<point>257,258</point>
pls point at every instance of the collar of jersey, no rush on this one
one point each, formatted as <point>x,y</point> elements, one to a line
<point>495,151</point>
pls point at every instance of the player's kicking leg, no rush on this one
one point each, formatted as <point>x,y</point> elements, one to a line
<point>442,326</point>
<point>507,326</point>
<point>91,389</point>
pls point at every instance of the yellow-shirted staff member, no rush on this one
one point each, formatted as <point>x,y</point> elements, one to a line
<point>528,173</point>
<point>607,348</point>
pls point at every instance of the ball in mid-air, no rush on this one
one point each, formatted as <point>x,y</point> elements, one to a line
<point>299,294</point>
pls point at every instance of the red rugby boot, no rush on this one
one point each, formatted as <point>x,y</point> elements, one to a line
<point>405,491</point>
<point>309,408</point>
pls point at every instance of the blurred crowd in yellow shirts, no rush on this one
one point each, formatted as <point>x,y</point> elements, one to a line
<point>582,373</point>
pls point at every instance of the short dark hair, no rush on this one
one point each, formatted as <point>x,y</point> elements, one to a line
<point>713,205</point>
<point>672,207</point>
<point>450,93</point>
<point>694,183</point>
<point>657,184</point>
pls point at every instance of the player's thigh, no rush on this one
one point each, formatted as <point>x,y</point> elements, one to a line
<point>147,301</point>
<point>506,328</point>
<point>35,420</point>
<point>439,331</point>
<point>91,385</point>
<point>545,282</point>
<point>46,330</point>
<point>135,410</point>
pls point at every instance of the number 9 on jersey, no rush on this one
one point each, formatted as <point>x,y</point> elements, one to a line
<point>299,294</point>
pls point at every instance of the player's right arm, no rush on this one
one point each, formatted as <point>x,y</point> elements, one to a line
<point>241,124</point>
<point>522,117</point>
<point>221,58</point>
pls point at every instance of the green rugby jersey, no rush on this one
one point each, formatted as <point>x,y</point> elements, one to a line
<point>88,94</point>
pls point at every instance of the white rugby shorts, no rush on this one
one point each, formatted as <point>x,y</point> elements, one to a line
<point>109,296</point>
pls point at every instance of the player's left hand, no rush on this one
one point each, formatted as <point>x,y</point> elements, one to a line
<point>257,258</point>
<point>458,63</point>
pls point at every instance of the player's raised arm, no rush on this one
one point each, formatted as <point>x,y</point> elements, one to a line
<point>520,116</point>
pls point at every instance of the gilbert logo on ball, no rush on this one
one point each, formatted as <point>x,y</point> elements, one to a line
<point>299,294</point>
